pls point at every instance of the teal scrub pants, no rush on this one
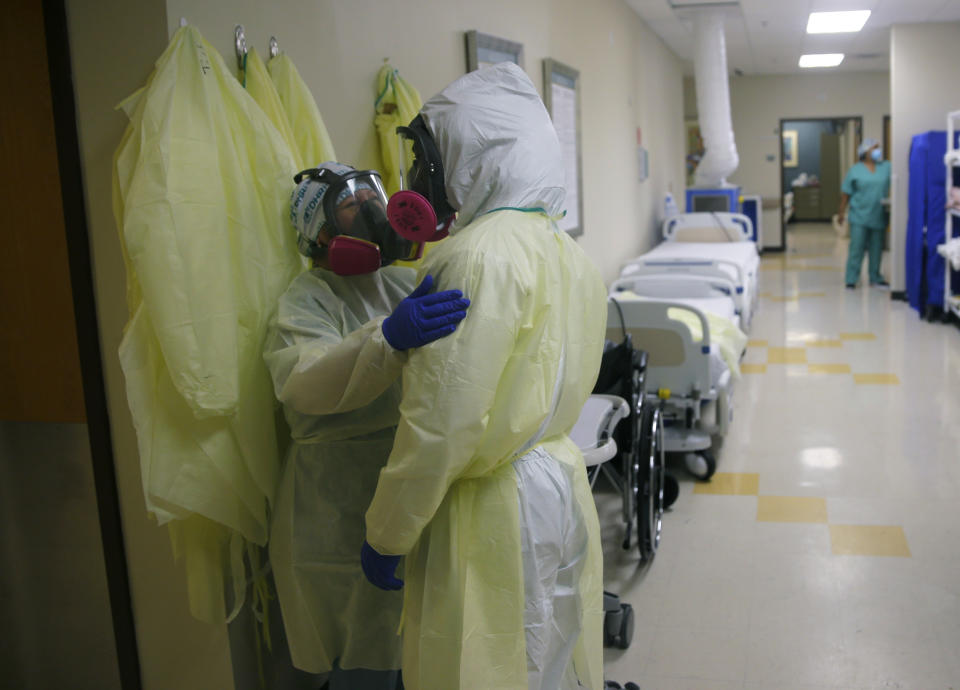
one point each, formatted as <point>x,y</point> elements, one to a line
<point>864,239</point>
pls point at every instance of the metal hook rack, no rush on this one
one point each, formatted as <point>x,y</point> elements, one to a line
<point>240,40</point>
<point>274,47</point>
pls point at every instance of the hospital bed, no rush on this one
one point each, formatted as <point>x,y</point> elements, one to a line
<point>688,375</point>
<point>712,245</point>
<point>700,284</point>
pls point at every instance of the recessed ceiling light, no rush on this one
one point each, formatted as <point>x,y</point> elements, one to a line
<point>821,60</point>
<point>837,22</point>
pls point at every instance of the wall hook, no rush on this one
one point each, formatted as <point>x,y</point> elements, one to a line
<point>274,47</point>
<point>241,44</point>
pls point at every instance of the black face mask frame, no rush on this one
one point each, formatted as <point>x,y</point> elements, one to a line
<point>425,176</point>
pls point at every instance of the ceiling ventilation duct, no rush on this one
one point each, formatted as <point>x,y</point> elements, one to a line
<point>713,99</point>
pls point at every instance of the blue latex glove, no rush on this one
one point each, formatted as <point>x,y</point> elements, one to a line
<point>380,569</point>
<point>422,318</point>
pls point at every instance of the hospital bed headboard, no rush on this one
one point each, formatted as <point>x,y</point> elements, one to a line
<point>675,361</point>
<point>708,227</point>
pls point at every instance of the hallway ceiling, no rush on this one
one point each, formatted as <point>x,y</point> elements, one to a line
<point>769,36</point>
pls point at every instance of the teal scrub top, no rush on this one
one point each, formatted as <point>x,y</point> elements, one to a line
<point>867,189</point>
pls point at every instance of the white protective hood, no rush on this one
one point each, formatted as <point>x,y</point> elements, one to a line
<point>498,144</point>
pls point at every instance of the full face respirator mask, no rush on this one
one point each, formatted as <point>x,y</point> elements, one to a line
<point>366,230</point>
<point>423,190</point>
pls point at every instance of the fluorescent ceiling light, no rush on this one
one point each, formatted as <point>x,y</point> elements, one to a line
<point>821,60</point>
<point>837,22</point>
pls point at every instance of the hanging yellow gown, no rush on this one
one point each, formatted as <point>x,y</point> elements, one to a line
<point>201,197</point>
<point>396,105</point>
<point>310,135</point>
<point>258,83</point>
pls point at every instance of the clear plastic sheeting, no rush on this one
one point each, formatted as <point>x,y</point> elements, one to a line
<point>713,100</point>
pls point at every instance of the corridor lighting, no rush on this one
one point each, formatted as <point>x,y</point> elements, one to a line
<point>837,22</point>
<point>821,60</point>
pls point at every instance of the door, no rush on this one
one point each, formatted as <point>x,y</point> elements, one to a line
<point>58,627</point>
<point>830,174</point>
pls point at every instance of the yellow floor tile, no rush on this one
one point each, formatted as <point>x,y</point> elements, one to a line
<point>824,343</point>
<point>730,484</point>
<point>868,540</point>
<point>753,368</point>
<point>812,294</point>
<point>786,355</point>
<point>792,509</point>
<point>757,343</point>
<point>877,379</point>
<point>858,336</point>
<point>828,368</point>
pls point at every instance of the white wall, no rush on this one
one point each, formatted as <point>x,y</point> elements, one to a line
<point>923,76</point>
<point>629,79</point>
<point>760,102</point>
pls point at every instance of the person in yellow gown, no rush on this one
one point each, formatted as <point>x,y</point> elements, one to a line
<point>484,494</point>
<point>335,350</point>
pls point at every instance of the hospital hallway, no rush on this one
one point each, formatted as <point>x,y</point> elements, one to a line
<point>823,553</point>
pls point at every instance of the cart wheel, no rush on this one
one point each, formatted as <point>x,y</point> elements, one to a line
<point>631,686</point>
<point>626,627</point>
<point>610,685</point>
<point>701,465</point>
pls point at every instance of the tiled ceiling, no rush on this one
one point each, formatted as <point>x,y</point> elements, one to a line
<point>768,36</point>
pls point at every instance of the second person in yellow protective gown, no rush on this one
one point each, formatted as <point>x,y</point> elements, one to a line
<point>484,494</point>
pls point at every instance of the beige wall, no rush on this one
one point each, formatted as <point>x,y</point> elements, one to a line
<point>629,79</point>
<point>113,46</point>
<point>759,103</point>
<point>922,76</point>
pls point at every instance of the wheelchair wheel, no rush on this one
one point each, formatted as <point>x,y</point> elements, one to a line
<point>632,463</point>
<point>650,482</point>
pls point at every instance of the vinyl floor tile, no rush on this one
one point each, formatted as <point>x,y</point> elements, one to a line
<point>869,540</point>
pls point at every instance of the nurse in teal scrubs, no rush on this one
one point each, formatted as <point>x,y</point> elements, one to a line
<point>865,186</point>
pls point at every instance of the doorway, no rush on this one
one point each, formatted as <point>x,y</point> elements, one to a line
<point>816,153</point>
<point>63,571</point>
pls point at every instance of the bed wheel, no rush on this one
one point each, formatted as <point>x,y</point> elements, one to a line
<point>701,465</point>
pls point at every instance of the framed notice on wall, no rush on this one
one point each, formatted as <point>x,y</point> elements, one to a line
<point>561,95</point>
<point>790,159</point>
<point>484,50</point>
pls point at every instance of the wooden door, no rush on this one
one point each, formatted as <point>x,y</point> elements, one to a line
<point>830,174</point>
<point>39,360</point>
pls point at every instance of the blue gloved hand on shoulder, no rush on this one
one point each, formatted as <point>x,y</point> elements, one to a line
<point>422,317</point>
<point>380,569</point>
